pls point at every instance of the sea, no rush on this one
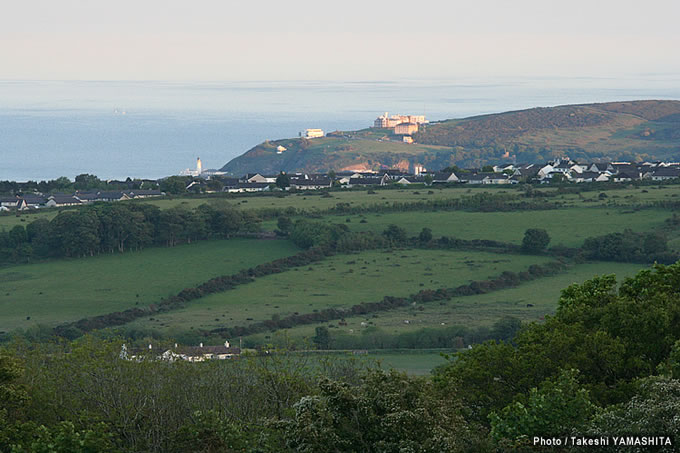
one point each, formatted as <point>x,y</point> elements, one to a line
<point>152,129</point>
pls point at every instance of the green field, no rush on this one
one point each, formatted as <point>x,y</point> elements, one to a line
<point>621,195</point>
<point>315,200</point>
<point>10,220</point>
<point>569,227</point>
<point>66,290</point>
<point>411,362</point>
<point>479,310</point>
<point>340,281</point>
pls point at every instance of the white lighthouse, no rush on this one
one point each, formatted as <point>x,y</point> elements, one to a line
<point>199,166</point>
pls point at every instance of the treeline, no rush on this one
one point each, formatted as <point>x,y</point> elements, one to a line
<point>480,202</point>
<point>630,247</point>
<point>118,227</point>
<point>82,182</point>
<point>338,237</point>
<point>607,364</point>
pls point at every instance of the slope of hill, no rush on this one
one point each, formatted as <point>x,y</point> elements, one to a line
<point>635,130</point>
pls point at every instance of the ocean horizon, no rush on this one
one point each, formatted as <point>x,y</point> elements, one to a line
<point>119,129</point>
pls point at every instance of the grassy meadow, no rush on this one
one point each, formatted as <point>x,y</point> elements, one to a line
<point>340,281</point>
<point>530,301</point>
<point>411,362</point>
<point>53,292</point>
<point>10,220</point>
<point>568,227</point>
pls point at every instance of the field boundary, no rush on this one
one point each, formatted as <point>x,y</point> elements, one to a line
<point>505,280</point>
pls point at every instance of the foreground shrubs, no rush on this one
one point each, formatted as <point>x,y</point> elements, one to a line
<point>83,397</point>
<point>614,338</point>
<point>386,412</point>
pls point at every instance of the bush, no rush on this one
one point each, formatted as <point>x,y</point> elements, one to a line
<point>535,240</point>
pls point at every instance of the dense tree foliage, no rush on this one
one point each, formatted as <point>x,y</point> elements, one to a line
<point>282,181</point>
<point>82,182</point>
<point>629,246</point>
<point>387,412</point>
<point>535,240</point>
<point>118,227</point>
<point>612,337</point>
<point>557,406</point>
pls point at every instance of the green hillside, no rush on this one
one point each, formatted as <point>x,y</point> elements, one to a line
<point>636,130</point>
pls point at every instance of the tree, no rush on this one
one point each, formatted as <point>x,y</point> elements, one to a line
<point>38,234</point>
<point>535,240</point>
<point>284,223</point>
<point>17,235</point>
<point>425,235</point>
<point>174,185</point>
<point>215,185</point>
<point>61,183</point>
<point>86,181</point>
<point>76,233</point>
<point>652,411</point>
<point>64,438</point>
<point>395,233</point>
<point>282,181</point>
<point>506,328</point>
<point>428,179</point>
<point>487,169</point>
<point>558,178</point>
<point>555,408</point>
<point>209,432</point>
<point>387,412</point>
<point>322,339</point>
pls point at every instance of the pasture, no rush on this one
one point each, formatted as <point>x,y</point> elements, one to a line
<point>567,226</point>
<point>12,219</point>
<point>339,281</point>
<point>58,291</point>
<point>413,362</point>
<point>530,301</point>
<point>53,292</point>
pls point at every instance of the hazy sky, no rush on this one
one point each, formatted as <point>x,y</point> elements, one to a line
<point>340,40</point>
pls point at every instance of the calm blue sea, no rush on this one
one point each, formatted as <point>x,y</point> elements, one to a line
<point>155,129</point>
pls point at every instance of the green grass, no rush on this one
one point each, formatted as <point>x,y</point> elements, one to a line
<point>314,201</point>
<point>340,281</point>
<point>411,362</point>
<point>10,220</point>
<point>59,291</point>
<point>568,226</point>
<point>479,310</point>
<point>66,290</point>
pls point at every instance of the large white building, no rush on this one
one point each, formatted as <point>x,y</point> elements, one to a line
<point>312,133</point>
<point>387,122</point>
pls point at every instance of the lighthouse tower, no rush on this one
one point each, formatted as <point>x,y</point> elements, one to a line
<point>199,166</point>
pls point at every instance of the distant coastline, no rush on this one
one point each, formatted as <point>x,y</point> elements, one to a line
<point>68,128</point>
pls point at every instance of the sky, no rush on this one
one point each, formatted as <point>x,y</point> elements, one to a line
<point>217,40</point>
